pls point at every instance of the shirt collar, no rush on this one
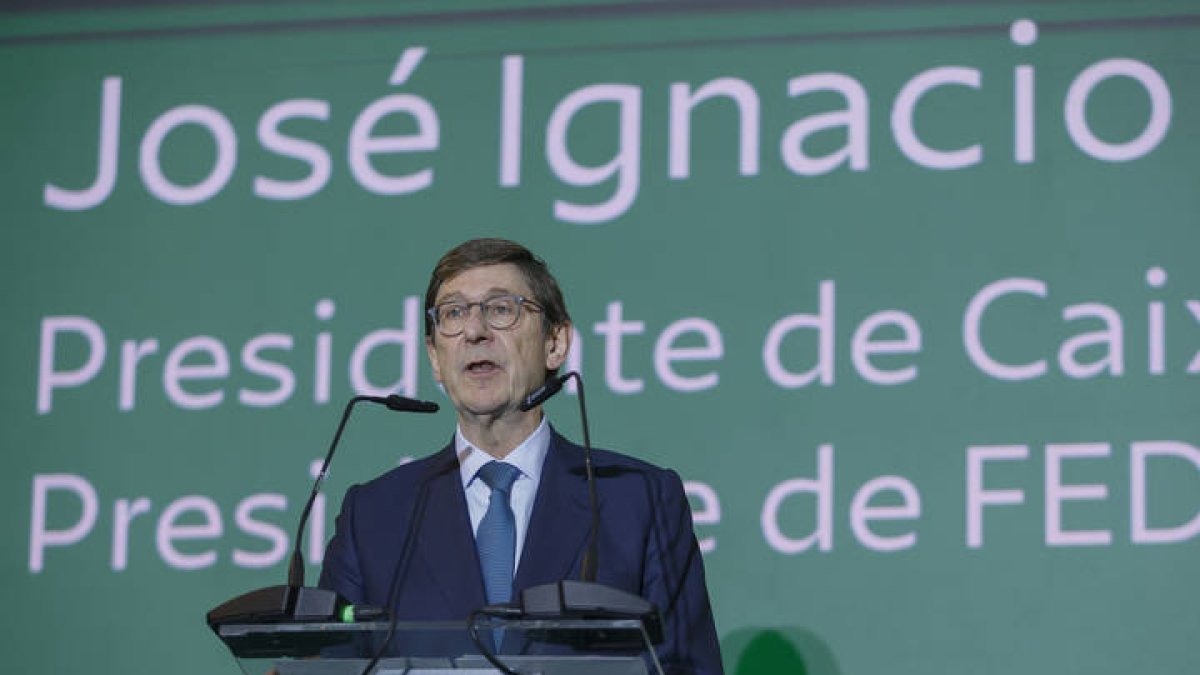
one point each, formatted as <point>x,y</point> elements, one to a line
<point>528,456</point>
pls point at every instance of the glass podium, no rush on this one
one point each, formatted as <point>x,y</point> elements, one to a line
<point>525,646</point>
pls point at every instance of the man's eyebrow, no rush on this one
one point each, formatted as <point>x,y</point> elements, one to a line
<point>492,292</point>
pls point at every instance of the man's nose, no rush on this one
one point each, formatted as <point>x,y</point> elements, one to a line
<point>476,327</point>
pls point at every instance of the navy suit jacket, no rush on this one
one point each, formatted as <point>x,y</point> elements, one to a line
<point>646,544</point>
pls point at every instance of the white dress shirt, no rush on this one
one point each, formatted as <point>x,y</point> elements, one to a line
<point>528,457</point>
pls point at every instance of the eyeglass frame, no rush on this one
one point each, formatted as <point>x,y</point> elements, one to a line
<point>521,302</point>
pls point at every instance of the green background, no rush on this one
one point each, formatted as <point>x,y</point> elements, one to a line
<point>742,251</point>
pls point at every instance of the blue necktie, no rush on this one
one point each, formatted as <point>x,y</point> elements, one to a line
<point>496,539</point>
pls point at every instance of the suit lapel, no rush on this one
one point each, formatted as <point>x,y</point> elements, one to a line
<point>558,526</point>
<point>446,546</point>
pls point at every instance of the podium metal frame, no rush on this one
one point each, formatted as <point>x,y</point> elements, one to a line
<point>528,647</point>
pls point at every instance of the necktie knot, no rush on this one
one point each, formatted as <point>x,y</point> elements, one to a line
<point>499,476</point>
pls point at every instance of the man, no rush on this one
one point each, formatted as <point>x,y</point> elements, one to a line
<point>496,327</point>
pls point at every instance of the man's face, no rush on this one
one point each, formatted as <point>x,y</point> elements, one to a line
<point>488,372</point>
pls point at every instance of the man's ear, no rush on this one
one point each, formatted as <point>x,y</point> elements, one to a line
<point>433,361</point>
<point>558,344</point>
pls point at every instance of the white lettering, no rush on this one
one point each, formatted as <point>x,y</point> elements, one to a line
<point>625,163</point>
<point>169,531</point>
<point>973,319</point>
<point>862,513</point>
<point>822,322</point>
<point>151,170</point>
<point>854,118</point>
<point>39,537</point>
<point>1140,530</point>
<point>1075,110</point>
<point>49,378</point>
<point>666,353</point>
<point>1057,493</point>
<point>306,151</point>
<point>106,157</point>
<point>979,497</point>
<point>902,119</point>
<point>822,489</point>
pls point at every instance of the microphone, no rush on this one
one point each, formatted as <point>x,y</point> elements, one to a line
<point>416,519</point>
<point>538,396</point>
<point>549,388</point>
<point>403,404</point>
<point>392,402</point>
<point>295,601</point>
<point>584,598</point>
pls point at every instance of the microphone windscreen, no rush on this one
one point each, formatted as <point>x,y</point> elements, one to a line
<point>404,404</point>
<point>549,388</point>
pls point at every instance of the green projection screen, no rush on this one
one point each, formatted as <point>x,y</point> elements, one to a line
<point>907,293</point>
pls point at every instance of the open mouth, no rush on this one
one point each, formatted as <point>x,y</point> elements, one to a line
<point>482,367</point>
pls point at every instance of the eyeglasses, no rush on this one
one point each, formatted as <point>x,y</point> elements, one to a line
<point>500,312</point>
